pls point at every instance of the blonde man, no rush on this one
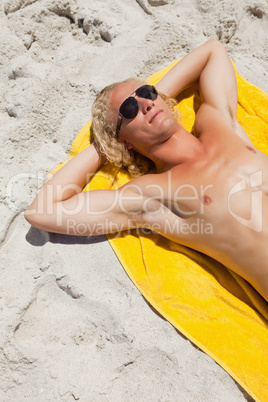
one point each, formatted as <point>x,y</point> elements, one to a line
<point>217,176</point>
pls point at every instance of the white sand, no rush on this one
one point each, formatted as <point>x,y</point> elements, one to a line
<point>73,326</point>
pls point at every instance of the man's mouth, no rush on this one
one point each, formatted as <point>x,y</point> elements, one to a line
<point>154,115</point>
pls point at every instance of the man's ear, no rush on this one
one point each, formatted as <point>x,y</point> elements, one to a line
<point>127,144</point>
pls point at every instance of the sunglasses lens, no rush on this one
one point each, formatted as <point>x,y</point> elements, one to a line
<point>129,108</point>
<point>147,92</point>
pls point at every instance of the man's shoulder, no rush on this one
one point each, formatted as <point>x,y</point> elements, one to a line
<point>147,180</point>
<point>152,185</point>
<point>206,116</point>
<point>210,119</point>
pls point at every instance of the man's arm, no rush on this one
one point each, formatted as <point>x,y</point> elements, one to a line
<point>61,207</point>
<point>209,66</point>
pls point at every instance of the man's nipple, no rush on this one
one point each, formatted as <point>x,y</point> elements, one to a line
<point>251,149</point>
<point>206,200</point>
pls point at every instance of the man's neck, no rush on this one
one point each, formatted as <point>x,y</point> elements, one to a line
<point>180,148</point>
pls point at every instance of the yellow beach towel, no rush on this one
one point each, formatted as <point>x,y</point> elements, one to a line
<point>215,308</point>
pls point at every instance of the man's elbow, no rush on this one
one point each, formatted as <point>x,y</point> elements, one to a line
<point>215,44</point>
<point>33,218</point>
<point>30,216</point>
<point>43,220</point>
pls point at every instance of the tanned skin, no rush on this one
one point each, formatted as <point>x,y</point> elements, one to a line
<point>217,179</point>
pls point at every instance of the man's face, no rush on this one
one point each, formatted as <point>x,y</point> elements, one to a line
<point>153,124</point>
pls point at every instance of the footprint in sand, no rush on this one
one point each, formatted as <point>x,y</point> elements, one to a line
<point>226,29</point>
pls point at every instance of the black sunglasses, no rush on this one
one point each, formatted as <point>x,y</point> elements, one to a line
<point>130,107</point>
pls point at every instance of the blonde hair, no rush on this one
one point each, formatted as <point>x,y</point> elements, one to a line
<point>104,131</point>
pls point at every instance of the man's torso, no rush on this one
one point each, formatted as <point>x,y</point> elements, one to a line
<point>218,204</point>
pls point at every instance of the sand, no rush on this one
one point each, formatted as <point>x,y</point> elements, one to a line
<point>73,326</point>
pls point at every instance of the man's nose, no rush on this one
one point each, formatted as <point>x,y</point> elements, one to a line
<point>146,105</point>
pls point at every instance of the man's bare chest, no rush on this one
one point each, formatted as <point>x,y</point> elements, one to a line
<point>225,182</point>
